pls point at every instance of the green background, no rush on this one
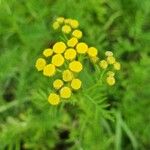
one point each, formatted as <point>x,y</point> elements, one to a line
<point>28,122</point>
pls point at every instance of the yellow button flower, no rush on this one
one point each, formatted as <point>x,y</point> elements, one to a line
<point>49,70</point>
<point>94,59</point>
<point>66,29</point>
<point>117,66</point>
<point>76,84</point>
<point>48,52</point>
<point>110,73</point>
<point>67,21</point>
<point>70,54</point>
<point>58,60</point>
<point>67,75</point>
<point>108,53</point>
<point>82,48</point>
<point>56,25</point>
<point>60,20</point>
<point>111,60</point>
<point>74,23</point>
<point>54,99</point>
<point>65,92</point>
<point>57,84</point>
<point>92,52</point>
<point>75,66</point>
<point>77,34</point>
<point>110,80</point>
<point>40,64</point>
<point>103,64</point>
<point>72,42</point>
<point>59,47</point>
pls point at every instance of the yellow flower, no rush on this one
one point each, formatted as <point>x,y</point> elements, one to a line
<point>110,80</point>
<point>72,42</point>
<point>74,23</point>
<point>77,34</point>
<point>82,48</point>
<point>92,52</point>
<point>76,84</point>
<point>49,70</point>
<point>48,52</point>
<point>103,64</point>
<point>40,64</point>
<point>111,60</point>
<point>70,54</point>
<point>94,59</point>
<point>59,47</point>
<point>56,25</point>
<point>67,21</point>
<point>110,73</point>
<point>60,19</point>
<point>65,92</point>
<point>54,99</point>
<point>67,75</point>
<point>117,66</point>
<point>57,84</point>
<point>75,66</point>
<point>109,53</point>
<point>66,29</point>
<point>58,60</point>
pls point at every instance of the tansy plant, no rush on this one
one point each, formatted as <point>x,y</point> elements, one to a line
<point>65,60</point>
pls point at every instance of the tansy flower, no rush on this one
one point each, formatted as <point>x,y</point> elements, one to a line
<point>92,52</point>
<point>110,80</point>
<point>67,75</point>
<point>56,25</point>
<point>94,59</point>
<point>48,52</point>
<point>66,29</point>
<point>70,54</point>
<point>58,60</point>
<point>74,23</point>
<point>117,66</point>
<point>49,70</point>
<point>60,20</point>
<point>54,99</point>
<point>57,84</point>
<point>65,92</point>
<point>77,34</point>
<point>111,60</point>
<point>59,47</point>
<point>72,42</point>
<point>110,73</point>
<point>76,84</point>
<point>82,48</point>
<point>75,66</point>
<point>108,53</point>
<point>103,64</point>
<point>67,21</point>
<point>40,64</point>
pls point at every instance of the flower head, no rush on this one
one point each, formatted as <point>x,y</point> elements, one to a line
<point>111,60</point>
<point>49,70</point>
<point>67,75</point>
<point>74,23</point>
<point>57,84</point>
<point>59,47</point>
<point>82,48</point>
<point>54,99</point>
<point>110,80</point>
<point>40,64</point>
<point>117,66</point>
<point>70,54</point>
<point>65,92</point>
<point>66,29</point>
<point>75,66</point>
<point>76,84</point>
<point>92,52</point>
<point>103,64</point>
<point>48,52</point>
<point>72,42</point>
<point>58,60</point>
<point>77,33</point>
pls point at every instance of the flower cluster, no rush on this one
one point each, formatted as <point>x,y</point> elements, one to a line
<point>63,61</point>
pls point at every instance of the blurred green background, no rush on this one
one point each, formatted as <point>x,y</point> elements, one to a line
<point>28,122</point>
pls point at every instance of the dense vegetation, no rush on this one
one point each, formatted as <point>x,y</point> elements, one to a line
<point>109,118</point>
